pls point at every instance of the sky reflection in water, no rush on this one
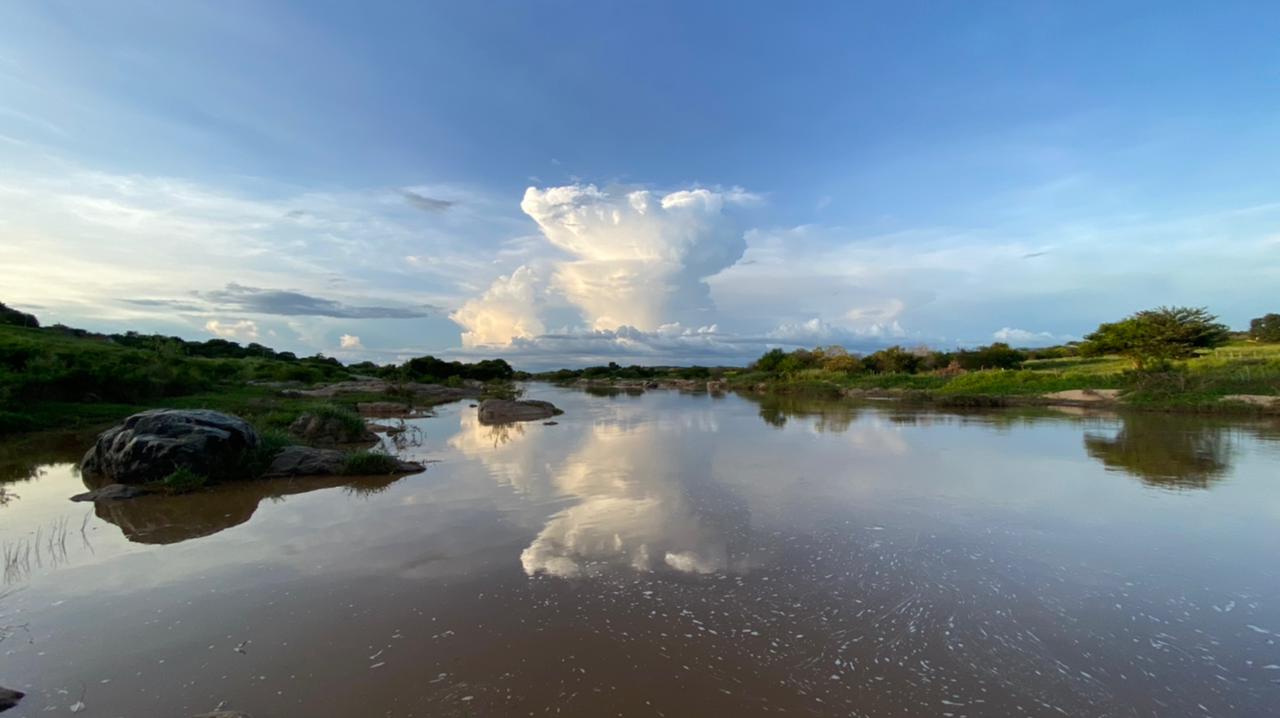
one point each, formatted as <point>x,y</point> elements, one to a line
<point>740,554</point>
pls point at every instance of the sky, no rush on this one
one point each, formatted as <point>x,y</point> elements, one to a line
<point>568,183</point>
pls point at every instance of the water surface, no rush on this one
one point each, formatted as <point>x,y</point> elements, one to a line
<point>674,554</point>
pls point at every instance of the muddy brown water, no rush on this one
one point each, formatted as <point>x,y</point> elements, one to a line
<point>670,554</point>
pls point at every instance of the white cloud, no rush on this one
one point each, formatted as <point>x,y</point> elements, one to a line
<point>350,341</point>
<point>816,331</point>
<point>244,329</point>
<point>638,259</point>
<point>635,269</point>
<point>1023,337</point>
<point>507,310</point>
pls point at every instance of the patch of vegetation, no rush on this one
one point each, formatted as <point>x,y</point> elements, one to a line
<point>351,422</point>
<point>502,390</point>
<point>369,463</point>
<point>270,443</point>
<point>1265,328</point>
<point>183,480</point>
<point>1182,360</point>
<point>9,315</point>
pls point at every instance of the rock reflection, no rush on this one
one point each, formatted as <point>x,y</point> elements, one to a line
<point>172,519</point>
<point>1174,452</point>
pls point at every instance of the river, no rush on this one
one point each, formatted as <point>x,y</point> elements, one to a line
<point>670,554</point>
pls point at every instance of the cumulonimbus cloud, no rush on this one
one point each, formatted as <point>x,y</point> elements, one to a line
<point>635,259</point>
<point>636,256</point>
<point>507,310</point>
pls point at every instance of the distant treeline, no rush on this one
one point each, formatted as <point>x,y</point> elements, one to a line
<point>43,365</point>
<point>613,370</point>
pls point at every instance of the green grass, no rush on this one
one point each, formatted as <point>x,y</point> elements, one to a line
<point>182,480</point>
<point>369,463</point>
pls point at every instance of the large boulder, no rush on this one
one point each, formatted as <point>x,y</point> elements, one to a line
<point>502,411</point>
<point>153,444</point>
<point>330,429</point>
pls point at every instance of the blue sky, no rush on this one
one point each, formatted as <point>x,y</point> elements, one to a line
<point>563,183</point>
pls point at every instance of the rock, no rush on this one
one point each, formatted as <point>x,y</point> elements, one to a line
<point>306,461</point>
<point>1263,400</point>
<point>1085,396</point>
<point>550,423</point>
<point>309,461</point>
<point>112,492</point>
<point>9,699</point>
<point>329,430</point>
<point>223,714</point>
<point>153,444</point>
<point>501,411</point>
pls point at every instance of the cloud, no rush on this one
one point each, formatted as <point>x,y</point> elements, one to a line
<point>425,203</point>
<point>290,303</point>
<point>1022,337</point>
<point>816,331</point>
<point>350,341</point>
<point>637,259</point>
<point>507,310</point>
<point>243,329</point>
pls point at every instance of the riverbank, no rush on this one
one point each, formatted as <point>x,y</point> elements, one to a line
<point>1239,379</point>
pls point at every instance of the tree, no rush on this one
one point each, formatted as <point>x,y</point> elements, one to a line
<point>1265,328</point>
<point>1154,337</point>
<point>9,315</point>
<point>769,361</point>
<point>995,356</point>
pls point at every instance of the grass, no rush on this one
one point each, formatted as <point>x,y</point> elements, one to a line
<point>369,463</point>
<point>182,480</point>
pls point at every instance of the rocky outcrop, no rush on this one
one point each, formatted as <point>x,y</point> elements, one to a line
<point>1081,397</point>
<point>112,492</point>
<point>309,461</point>
<point>329,430</point>
<point>153,444</point>
<point>502,411</point>
<point>9,698</point>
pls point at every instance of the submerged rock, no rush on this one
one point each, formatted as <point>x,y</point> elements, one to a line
<point>330,430</point>
<point>502,411</point>
<point>153,444</point>
<point>309,461</point>
<point>9,698</point>
<point>112,492</point>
